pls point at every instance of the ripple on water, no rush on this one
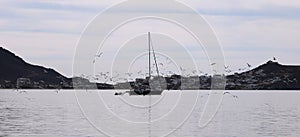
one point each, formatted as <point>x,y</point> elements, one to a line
<point>49,114</point>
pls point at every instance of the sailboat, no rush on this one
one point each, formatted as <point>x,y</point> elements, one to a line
<point>150,85</point>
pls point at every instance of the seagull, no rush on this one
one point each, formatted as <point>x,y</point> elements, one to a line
<point>182,69</point>
<point>121,93</point>
<point>242,69</point>
<point>22,91</point>
<point>286,83</point>
<point>96,78</point>
<point>194,71</point>
<point>140,72</point>
<point>171,72</point>
<point>213,64</point>
<point>168,61</point>
<point>290,81</point>
<point>226,67</point>
<point>228,71</point>
<point>99,55</point>
<point>235,96</point>
<point>214,70</point>
<point>129,74</point>
<point>102,74</point>
<point>249,65</point>
<point>116,76</point>
<point>295,80</point>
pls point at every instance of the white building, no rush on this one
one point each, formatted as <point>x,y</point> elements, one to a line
<point>23,83</point>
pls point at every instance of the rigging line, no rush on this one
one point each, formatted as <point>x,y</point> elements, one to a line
<point>154,56</point>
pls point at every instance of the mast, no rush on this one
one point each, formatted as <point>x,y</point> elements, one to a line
<point>149,110</point>
<point>149,55</point>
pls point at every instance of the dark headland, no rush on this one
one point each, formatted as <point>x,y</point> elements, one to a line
<point>16,73</point>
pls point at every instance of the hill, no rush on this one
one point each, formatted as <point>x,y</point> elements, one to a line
<point>268,76</point>
<point>14,67</point>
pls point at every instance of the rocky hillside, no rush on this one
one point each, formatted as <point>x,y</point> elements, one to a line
<point>268,76</point>
<point>13,67</point>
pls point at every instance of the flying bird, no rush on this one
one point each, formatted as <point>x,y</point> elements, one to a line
<point>182,69</point>
<point>249,65</point>
<point>194,71</point>
<point>213,64</point>
<point>22,91</point>
<point>228,71</point>
<point>214,70</point>
<point>129,74</point>
<point>140,72</point>
<point>235,96</point>
<point>99,55</point>
<point>168,61</point>
<point>171,72</point>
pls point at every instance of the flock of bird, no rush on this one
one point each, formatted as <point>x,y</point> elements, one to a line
<point>107,77</point>
<point>164,71</point>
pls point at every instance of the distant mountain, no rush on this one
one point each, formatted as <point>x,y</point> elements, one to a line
<point>13,67</point>
<point>268,76</point>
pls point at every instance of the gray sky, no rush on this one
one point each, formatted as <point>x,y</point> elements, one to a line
<point>250,31</point>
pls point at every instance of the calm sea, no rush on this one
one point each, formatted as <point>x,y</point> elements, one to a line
<point>100,113</point>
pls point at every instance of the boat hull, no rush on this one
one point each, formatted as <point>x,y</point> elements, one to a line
<point>152,92</point>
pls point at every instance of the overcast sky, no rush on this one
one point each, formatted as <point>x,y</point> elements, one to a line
<point>45,32</point>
